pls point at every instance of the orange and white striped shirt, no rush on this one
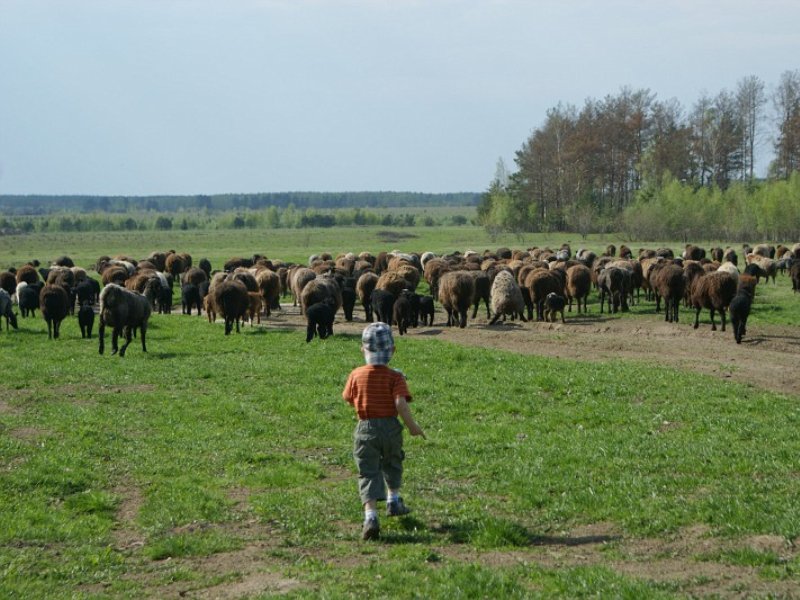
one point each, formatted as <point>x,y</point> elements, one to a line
<point>372,390</point>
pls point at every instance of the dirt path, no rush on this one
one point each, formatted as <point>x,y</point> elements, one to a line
<point>766,358</point>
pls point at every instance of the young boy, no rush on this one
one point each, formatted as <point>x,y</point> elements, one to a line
<point>379,394</point>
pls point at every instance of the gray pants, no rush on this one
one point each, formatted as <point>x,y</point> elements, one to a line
<point>378,451</point>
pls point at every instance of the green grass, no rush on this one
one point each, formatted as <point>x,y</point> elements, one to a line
<point>209,442</point>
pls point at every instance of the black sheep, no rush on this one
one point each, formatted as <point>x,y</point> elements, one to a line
<point>348,302</point>
<point>554,304</point>
<point>426,310</point>
<point>739,310</point>
<point>28,298</point>
<point>88,291</point>
<point>54,304</point>
<point>123,311</point>
<point>320,318</point>
<point>190,297</point>
<point>382,302</point>
<point>401,313</point>
<point>86,320</point>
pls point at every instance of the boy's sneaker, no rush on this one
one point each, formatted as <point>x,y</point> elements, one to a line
<point>397,508</point>
<point>371,529</point>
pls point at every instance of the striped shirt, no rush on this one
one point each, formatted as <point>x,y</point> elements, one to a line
<point>372,390</point>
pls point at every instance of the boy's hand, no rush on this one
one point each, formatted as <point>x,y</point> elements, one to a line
<point>417,430</point>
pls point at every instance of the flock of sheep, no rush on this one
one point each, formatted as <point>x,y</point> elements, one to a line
<point>515,284</point>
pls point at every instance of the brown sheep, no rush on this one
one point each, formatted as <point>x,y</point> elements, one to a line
<point>668,283</point>
<point>270,287</point>
<point>116,274</point>
<point>393,282</point>
<point>298,279</point>
<point>483,287</point>
<point>323,288</point>
<point>8,282</point>
<point>539,283</point>
<point>254,308</point>
<point>54,304</point>
<point>794,273</point>
<point>28,274</point>
<point>579,284</point>
<point>714,292</point>
<point>194,275</point>
<point>456,290</point>
<point>612,284</point>
<point>230,300</point>
<point>125,311</point>
<point>364,288</point>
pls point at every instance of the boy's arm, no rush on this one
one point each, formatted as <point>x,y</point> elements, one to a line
<point>405,413</point>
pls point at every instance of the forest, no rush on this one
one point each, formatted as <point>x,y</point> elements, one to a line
<point>633,163</point>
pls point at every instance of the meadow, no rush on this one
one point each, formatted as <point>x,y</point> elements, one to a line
<point>218,466</point>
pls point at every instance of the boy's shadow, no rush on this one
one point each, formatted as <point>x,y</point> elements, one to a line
<point>412,531</point>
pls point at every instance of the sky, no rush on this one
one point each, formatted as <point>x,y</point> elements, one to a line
<point>151,97</point>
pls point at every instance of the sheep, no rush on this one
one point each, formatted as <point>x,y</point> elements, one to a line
<point>86,320</point>
<point>393,282</point>
<point>320,317</point>
<point>230,299</point>
<point>8,282</point>
<point>28,274</point>
<point>456,290</point>
<point>124,311</point>
<point>691,272</point>
<point>483,288</point>
<point>194,275</point>
<point>116,274</point>
<point>427,310</point>
<point>729,267</point>
<point>539,283</point>
<point>717,254</point>
<point>692,252</point>
<point>320,288</point>
<point>382,303</point>
<point>714,292</point>
<point>764,250</point>
<point>668,283</point>
<point>190,297</point>
<point>348,299</point>
<point>298,280</point>
<point>796,251</point>
<point>612,284</point>
<point>625,252</point>
<point>754,270</point>
<point>364,287</point>
<point>579,284</point>
<point>6,310</point>
<point>28,298</point>
<point>554,304</point>
<point>203,264</point>
<point>794,273</point>
<point>64,261</point>
<point>730,256</point>
<point>768,265</point>
<point>175,265</point>
<point>401,312</point>
<point>87,291</point>
<point>254,308</point>
<point>208,306</point>
<point>54,304</point>
<point>506,297</point>
<point>269,285</point>
<point>740,310</point>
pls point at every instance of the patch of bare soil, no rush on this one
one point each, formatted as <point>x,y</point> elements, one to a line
<point>126,534</point>
<point>763,360</point>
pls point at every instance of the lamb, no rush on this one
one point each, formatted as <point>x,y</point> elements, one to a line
<point>401,312</point>
<point>456,290</point>
<point>668,283</point>
<point>579,284</point>
<point>554,304</point>
<point>124,311</point>
<point>230,299</point>
<point>714,292</point>
<point>426,310</point>
<point>7,311</point>
<point>320,317</point>
<point>254,308</point>
<point>365,285</point>
<point>506,297</point>
<point>382,303</point>
<point>86,320</point>
<point>54,304</point>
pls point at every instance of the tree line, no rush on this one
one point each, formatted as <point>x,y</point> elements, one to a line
<point>595,168</point>
<point>44,204</point>
<point>273,217</point>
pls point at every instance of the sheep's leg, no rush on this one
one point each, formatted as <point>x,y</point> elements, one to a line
<point>562,316</point>
<point>722,313</point>
<point>697,318</point>
<point>463,321</point>
<point>494,319</point>
<point>101,333</point>
<point>128,339</point>
<point>569,300</point>
<point>713,323</point>
<point>144,331</point>
<point>488,312</point>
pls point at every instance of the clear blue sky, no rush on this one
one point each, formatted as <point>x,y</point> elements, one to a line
<point>197,96</point>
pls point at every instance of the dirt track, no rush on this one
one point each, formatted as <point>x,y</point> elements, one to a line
<point>766,358</point>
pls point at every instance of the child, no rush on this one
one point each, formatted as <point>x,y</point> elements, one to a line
<point>379,394</point>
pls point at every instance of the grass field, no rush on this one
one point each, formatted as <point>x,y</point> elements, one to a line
<point>218,466</point>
